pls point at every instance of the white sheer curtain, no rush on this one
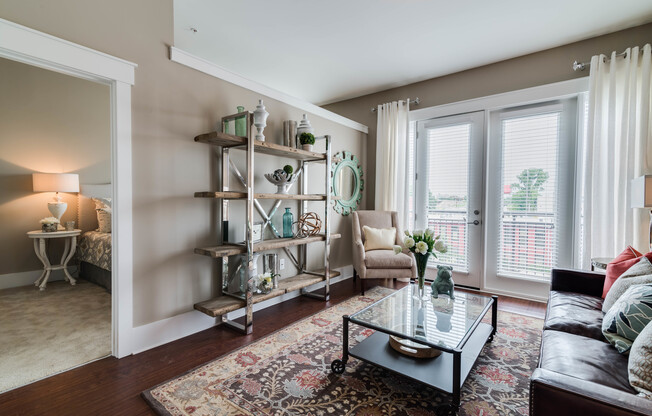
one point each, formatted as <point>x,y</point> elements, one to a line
<point>617,149</point>
<point>391,159</point>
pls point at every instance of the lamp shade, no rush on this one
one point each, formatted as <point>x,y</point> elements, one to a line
<point>55,182</point>
<point>642,192</point>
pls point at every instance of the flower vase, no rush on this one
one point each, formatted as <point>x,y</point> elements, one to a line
<point>422,264</point>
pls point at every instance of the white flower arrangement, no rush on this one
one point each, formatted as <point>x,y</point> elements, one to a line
<point>50,220</point>
<point>264,283</point>
<point>422,242</point>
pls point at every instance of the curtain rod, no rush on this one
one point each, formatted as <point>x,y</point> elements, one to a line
<point>416,101</point>
<point>581,66</point>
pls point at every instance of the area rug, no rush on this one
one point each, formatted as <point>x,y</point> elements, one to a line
<point>288,373</point>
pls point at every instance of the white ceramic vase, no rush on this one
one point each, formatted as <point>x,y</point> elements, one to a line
<point>307,147</point>
<point>260,120</point>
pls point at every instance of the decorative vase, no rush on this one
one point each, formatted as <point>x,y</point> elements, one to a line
<point>260,120</point>
<point>422,263</point>
<point>287,223</point>
<point>304,126</point>
<point>282,180</point>
<point>49,228</point>
<point>307,147</point>
<point>241,123</point>
<point>252,271</point>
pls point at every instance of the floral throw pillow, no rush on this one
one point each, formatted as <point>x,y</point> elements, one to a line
<point>628,316</point>
<point>640,363</point>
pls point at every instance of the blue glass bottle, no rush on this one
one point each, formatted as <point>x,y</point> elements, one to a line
<point>287,223</point>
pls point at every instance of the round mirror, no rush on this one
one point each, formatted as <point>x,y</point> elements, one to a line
<point>347,182</point>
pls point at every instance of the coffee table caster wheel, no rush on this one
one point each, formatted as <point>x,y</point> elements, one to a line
<point>490,339</point>
<point>337,366</point>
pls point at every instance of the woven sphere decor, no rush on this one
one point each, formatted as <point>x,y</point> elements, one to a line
<point>308,224</point>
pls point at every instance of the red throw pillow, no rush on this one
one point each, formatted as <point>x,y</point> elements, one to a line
<point>620,265</point>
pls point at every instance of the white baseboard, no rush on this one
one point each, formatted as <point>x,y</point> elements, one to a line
<point>10,280</point>
<point>514,294</point>
<point>161,332</point>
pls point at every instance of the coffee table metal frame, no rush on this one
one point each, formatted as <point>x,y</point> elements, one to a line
<point>375,350</point>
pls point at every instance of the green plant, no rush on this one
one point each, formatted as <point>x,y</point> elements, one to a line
<point>526,192</point>
<point>288,169</point>
<point>307,138</point>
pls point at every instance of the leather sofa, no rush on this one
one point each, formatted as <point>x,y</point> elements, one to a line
<point>579,372</point>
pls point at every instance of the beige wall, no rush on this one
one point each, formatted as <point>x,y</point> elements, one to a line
<point>552,65</point>
<point>170,105</point>
<point>49,122</point>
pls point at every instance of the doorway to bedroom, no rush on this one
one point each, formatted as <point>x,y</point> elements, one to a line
<point>55,256</point>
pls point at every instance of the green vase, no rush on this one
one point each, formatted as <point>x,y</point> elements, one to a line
<point>422,265</point>
<point>241,123</point>
<point>287,223</point>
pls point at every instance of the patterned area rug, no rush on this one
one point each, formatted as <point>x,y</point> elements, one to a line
<point>288,373</point>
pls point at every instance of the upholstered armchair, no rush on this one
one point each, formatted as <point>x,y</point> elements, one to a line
<point>379,264</point>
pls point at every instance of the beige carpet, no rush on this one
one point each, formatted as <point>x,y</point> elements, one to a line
<point>46,332</point>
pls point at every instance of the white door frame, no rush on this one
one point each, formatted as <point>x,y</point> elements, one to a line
<point>22,44</point>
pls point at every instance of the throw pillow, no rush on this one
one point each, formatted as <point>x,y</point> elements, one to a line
<point>627,318</point>
<point>638,274</point>
<point>379,238</point>
<point>104,220</point>
<point>640,363</point>
<point>618,266</point>
<point>101,203</point>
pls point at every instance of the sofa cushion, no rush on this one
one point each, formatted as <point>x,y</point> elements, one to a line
<point>379,238</point>
<point>639,273</point>
<point>386,259</point>
<point>585,359</point>
<point>640,363</point>
<point>627,318</point>
<point>575,313</point>
<point>619,265</point>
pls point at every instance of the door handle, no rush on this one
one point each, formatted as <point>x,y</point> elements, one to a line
<point>474,222</point>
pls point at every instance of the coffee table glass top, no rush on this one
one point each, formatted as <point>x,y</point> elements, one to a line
<point>441,322</point>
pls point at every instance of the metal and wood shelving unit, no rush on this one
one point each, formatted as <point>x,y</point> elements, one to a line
<point>231,301</point>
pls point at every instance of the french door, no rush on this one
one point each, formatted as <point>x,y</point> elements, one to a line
<point>449,190</point>
<point>498,186</point>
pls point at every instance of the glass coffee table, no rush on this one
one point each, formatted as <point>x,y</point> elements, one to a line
<point>453,327</point>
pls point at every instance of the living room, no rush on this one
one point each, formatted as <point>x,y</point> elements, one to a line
<point>505,177</point>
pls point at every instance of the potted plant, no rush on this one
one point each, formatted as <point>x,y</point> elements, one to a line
<point>307,140</point>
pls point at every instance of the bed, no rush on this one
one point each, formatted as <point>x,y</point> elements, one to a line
<point>94,247</point>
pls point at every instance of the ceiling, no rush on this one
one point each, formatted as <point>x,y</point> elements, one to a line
<point>324,51</point>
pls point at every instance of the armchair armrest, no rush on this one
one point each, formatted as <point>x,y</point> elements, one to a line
<point>557,394</point>
<point>577,281</point>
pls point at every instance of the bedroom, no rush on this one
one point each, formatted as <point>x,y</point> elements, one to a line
<point>55,134</point>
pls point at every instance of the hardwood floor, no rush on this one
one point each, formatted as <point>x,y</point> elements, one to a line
<point>112,387</point>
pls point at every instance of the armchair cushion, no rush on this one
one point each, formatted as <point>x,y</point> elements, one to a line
<point>378,238</point>
<point>386,259</point>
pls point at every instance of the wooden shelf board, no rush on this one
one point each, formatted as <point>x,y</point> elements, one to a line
<point>243,195</point>
<point>229,140</point>
<point>232,249</point>
<point>225,304</point>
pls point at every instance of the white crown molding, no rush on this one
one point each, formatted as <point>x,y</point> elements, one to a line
<point>184,58</point>
<point>23,44</point>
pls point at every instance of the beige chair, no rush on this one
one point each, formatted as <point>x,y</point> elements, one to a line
<point>379,264</point>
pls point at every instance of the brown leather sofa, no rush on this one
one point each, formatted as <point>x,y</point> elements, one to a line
<point>579,372</point>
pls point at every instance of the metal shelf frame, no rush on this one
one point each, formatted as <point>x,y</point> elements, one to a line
<point>225,143</point>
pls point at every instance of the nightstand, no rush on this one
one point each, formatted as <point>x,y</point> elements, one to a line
<point>40,248</point>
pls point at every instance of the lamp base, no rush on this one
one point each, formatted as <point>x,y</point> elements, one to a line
<point>57,209</point>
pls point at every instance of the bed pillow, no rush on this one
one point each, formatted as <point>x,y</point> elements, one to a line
<point>618,266</point>
<point>639,364</point>
<point>101,203</point>
<point>104,220</point>
<point>379,238</point>
<point>640,273</point>
<point>627,318</point>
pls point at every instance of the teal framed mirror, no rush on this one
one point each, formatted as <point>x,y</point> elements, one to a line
<point>347,182</point>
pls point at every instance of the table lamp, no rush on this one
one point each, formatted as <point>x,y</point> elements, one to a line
<point>642,195</point>
<point>56,182</point>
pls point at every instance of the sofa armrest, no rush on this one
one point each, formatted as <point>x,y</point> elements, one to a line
<point>577,281</point>
<point>557,394</point>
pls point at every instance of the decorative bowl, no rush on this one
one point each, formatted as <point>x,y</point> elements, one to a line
<point>281,179</point>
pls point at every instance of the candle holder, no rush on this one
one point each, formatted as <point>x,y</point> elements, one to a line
<point>260,120</point>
